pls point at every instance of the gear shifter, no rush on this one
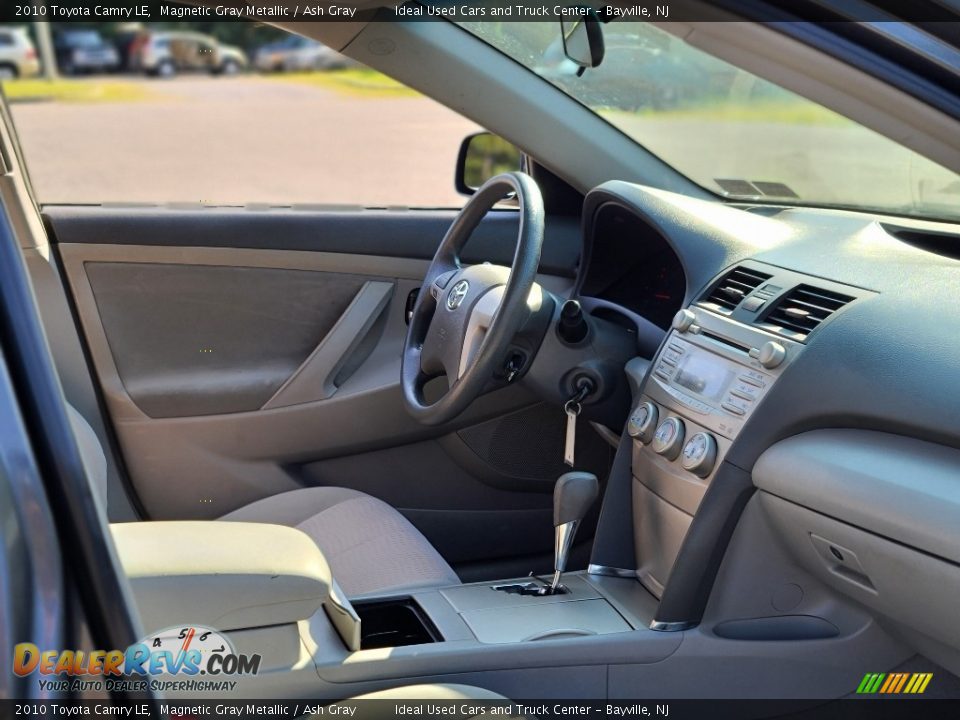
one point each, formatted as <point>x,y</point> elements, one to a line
<point>573,495</point>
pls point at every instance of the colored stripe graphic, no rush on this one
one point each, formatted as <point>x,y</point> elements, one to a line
<point>892,679</point>
<point>903,681</point>
<point>870,683</point>
<point>894,683</point>
<point>918,683</point>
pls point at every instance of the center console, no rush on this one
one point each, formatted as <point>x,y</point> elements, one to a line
<point>709,376</point>
<point>689,406</point>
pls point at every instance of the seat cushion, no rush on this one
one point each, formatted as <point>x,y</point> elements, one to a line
<point>433,691</point>
<point>371,548</point>
<point>448,694</point>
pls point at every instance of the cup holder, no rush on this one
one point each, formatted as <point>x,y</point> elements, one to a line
<point>394,623</point>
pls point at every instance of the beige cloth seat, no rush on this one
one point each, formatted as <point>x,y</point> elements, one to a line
<point>370,547</point>
<point>432,692</point>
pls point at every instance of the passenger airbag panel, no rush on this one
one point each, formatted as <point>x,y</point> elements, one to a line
<point>900,488</point>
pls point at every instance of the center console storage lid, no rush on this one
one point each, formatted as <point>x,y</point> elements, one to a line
<point>226,575</point>
<point>900,488</point>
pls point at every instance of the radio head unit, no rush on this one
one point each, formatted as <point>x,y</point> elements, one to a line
<point>716,371</point>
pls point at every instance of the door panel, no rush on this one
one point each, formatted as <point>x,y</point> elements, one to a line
<point>235,373</point>
<point>202,340</point>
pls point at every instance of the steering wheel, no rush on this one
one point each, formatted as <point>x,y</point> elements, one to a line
<point>465,318</point>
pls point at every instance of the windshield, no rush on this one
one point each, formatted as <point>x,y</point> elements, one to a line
<point>729,131</point>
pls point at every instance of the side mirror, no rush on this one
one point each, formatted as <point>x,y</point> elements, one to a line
<point>482,156</point>
<point>583,39</point>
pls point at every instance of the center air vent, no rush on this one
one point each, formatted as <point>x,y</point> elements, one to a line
<point>734,287</point>
<point>802,310</point>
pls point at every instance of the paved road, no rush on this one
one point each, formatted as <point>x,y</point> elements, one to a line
<point>264,140</point>
<point>247,139</point>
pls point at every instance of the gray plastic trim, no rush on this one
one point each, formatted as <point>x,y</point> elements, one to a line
<point>314,379</point>
<point>671,626</point>
<point>915,590</point>
<point>610,571</point>
<point>876,481</point>
<point>659,530</point>
<point>552,620</point>
<point>400,234</point>
<point>74,372</point>
<point>484,596</point>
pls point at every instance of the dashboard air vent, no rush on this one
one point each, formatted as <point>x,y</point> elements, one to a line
<point>802,310</point>
<point>734,287</point>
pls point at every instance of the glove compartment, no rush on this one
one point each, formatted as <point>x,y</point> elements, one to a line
<point>874,516</point>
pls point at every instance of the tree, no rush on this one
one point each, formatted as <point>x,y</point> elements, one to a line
<point>48,61</point>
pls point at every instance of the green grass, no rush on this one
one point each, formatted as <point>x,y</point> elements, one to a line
<point>75,91</point>
<point>359,82</point>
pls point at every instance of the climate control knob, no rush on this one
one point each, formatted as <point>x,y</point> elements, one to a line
<point>771,354</point>
<point>668,439</point>
<point>699,454</point>
<point>683,320</point>
<point>643,422</point>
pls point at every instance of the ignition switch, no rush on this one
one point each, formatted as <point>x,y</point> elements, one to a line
<point>515,362</point>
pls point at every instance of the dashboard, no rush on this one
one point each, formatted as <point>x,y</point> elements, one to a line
<point>797,346</point>
<point>630,265</point>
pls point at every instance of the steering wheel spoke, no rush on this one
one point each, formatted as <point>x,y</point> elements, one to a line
<point>465,318</point>
<point>441,281</point>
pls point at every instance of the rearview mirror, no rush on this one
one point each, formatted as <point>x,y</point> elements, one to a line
<point>583,39</point>
<point>482,156</point>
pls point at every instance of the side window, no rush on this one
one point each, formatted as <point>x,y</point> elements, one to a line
<point>239,114</point>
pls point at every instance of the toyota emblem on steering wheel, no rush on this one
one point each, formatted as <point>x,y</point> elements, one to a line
<point>457,293</point>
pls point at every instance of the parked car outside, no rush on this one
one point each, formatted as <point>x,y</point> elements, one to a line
<point>18,56</point>
<point>164,54</point>
<point>81,51</point>
<point>297,53</point>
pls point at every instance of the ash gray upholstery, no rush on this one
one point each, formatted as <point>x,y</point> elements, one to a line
<point>370,546</point>
<point>431,692</point>
<point>435,691</point>
<point>92,457</point>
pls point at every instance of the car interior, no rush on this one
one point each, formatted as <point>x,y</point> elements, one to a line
<point>604,431</point>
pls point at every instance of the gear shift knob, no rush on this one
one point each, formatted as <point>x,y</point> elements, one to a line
<point>573,495</point>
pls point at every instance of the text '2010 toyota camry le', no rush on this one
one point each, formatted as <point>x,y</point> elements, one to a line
<point>483,359</point>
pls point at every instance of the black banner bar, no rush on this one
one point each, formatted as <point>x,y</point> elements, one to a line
<point>153,11</point>
<point>853,709</point>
